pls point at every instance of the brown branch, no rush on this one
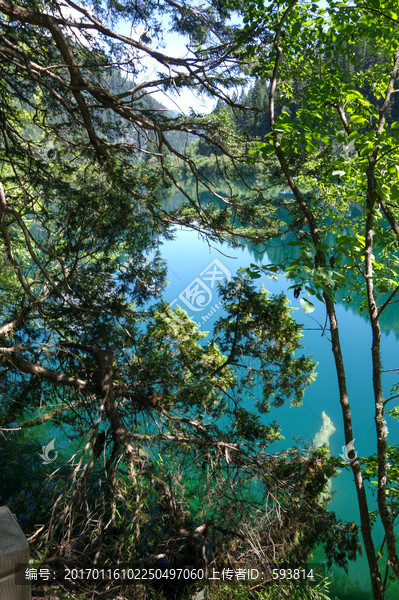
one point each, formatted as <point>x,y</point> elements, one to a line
<point>43,372</point>
<point>387,302</point>
<point>388,93</point>
<point>10,326</point>
<point>390,216</point>
<point>374,313</point>
<point>7,240</point>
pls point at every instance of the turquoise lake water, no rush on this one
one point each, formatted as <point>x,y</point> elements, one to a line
<point>193,268</point>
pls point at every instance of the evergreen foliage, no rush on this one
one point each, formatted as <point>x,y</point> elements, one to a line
<point>169,462</point>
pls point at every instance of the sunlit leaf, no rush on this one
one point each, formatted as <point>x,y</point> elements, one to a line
<point>308,307</point>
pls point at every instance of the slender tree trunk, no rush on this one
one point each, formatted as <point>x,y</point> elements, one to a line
<point>365,526</point>
<point>120,434</point>
<point>381,427</point>
<point>376,580</point>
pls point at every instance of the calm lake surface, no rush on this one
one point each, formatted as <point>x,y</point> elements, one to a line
<point>193,269</point>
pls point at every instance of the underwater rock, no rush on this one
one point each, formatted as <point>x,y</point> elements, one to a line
<point>326,430</point>
<point>322,437</point>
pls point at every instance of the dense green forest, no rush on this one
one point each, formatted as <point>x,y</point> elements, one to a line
<point>167,466</point>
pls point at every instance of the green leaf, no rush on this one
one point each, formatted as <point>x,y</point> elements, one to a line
<point>358,120</point>
<point>353,135</point>
<point>308,307</point>
<point>254,275</point>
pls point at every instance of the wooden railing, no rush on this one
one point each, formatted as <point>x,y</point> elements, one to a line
<point>14,552</point>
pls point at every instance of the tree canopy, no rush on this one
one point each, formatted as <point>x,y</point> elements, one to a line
<point>171,457</point>
<point>332,81</point>
<point>170,430</point>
